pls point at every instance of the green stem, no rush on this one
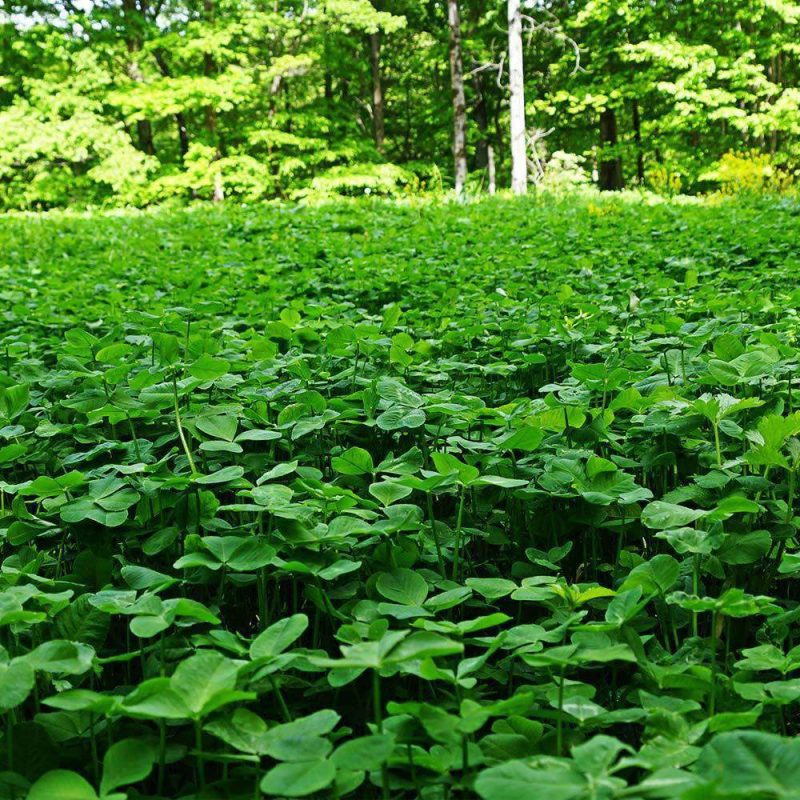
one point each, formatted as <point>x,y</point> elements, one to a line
<point>683,366</point>
<point>712,703</point>
<point>560,720</point>
<point>198,746</point>
<point>435,534</point>
<point>10,740</point>
<point>377,706</point>
<point>377,710</point>
<point>457,547</point>
<point>287,715</point>
<point>133,438</point>
<point>162,754</point>
<point>262,597</point>
<point>695,590</point>
<point>180,428</point>
<point>93,746</point>
<point>790,498</point>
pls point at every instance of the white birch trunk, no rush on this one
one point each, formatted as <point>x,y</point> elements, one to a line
<point>459,101</point>
<point>519,156</point>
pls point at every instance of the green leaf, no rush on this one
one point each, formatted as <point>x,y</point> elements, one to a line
<point>298,779</point>
<point>723,373</point>
<point>745,548</point>
<point>492,588</point>
<point>280,635</point>
<point>389,492</point>
<point>727,347</point>
<point>61,657</point>
<point>224,475</point>
<point>402,586</point>
<point>61,784</point>
<point>660,516</point>
<point>126,761</point>
<point>354,461</point>
<point>156,699</point>
<point>208,368</point>
<point>499,480</point>
<point>527,438</point>
<point>689,540</point>
<point>748,764</point>
<point>394,419</point>
<point>16,683</point>
<point>397,392</point>
<point>219,426</point>
<point>13,400</point>
<point>423,645</point>
<point>515,779</point>
<point>368,753</point>
<point>81,622</point>
<point>204,682</point>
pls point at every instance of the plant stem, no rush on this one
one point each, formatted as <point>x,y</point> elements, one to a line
<point>695,590</point>
<point>377,710</point>
<point>790,499</point>
<point>180,428</point>
<point>287,715</point>
<point>457,547</point>
<point>263,610</point>
<point>435,533</point>
<point>198,746</point>
<point>10,739</point>
<point>133,438</point>
<point>712,703</point>
<point>162,754</point>
<point>560,720</point>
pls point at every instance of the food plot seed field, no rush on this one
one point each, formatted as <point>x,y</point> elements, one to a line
<point>381,501</point>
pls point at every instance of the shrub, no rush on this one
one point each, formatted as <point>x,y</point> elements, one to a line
<point>750,173</point>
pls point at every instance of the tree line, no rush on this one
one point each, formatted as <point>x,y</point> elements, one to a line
<point>142,101</point>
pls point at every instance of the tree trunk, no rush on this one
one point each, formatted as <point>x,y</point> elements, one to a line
<point>180,119</point>
<point>459,101</point>
<point>482,118</point>
<point>326,58</point>
<point>637,135</point>
<point>144,133</point>
<point>219,188</point>
<point>490,165</point>
<point>519,155</point>
<point>377,89</point>
<point>210,68</point>
<point>610,167</point>
<point>133,15</point>
<point>498,135</point>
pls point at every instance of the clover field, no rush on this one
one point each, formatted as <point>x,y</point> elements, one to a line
<point>430,501</point>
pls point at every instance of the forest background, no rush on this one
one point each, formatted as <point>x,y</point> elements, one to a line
<point>137,102</point>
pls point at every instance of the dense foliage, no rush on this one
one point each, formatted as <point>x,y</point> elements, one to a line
<point>142,101</point>
<point>418,501</point>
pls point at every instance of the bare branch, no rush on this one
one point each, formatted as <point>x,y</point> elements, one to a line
<point>535,167</point>
<point>481,68</point>
<point>553,28</point>
<point>499,67</point>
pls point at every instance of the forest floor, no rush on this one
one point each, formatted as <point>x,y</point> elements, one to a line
<point>401,500</point>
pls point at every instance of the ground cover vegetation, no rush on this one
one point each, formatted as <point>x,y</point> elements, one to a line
<point>137,102</point>
<point>401,501</point>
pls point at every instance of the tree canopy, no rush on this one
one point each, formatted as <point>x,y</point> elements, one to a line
<point>142,101</point>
